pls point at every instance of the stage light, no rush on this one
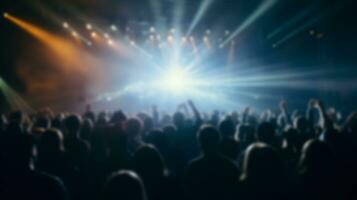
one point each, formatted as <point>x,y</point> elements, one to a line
<point>132,43</point>
<point>264,7</point>
<point>110,42</point>
<point>151,37</point>
<point>65,25</point>
<point>75,34</point>
<point>152,29</point>
<point>93,34</point>
<point>192,39</point>
<point>6,15</point>
<point>88,26</point>
<point>175,80</point>
<point>205,39</point>
<point>113,28</point>
<point>106,35</point>
<point>170,38</point>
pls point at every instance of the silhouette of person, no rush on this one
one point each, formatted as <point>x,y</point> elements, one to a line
<point>210,176</point>
<point>124,185</point>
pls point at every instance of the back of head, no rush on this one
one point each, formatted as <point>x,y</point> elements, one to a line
<point>179,119</point>
<point>316,157</point>
<point>262,162</point>
<point>43,122</point>
<point>246,133</point>
<point>148,162</point>
<point>118,117</point>
<point>124,185</point>
<point>266,132</point>
<point>227,127</point>
<point>133,127</point>
<point>72,123</point>
<point>208,138</point>
<point>16,117</point>
<point>86,129</point>
<point>18,150</point>
<point>51,141</point>
<point>157,138</point>
<point>300,123</point>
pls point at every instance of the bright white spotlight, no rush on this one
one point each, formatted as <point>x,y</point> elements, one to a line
<point>75,34</point>
<point>175,80</point>
<point>205,39</point>
<point>88,26</point>
<point>170,38</point>
<point>113,28</point>
<point>93,34</point>
<point>152,29</point>
<point>110,42</point>
<point>65,25</point>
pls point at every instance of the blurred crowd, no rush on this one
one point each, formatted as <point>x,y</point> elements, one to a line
<point>191,155</point>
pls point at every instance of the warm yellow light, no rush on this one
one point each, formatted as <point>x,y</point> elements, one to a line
<point>74,34</point>
<point>110,42</point>
<point>6,15</point>
<point>93,34</point>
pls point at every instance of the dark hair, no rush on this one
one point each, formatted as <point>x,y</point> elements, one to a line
<point>124,185</point>
<point>73,123</point>
<point>208,138</point>
<point>261,161</point>
<point>227,127</point>
<point>148,162</point>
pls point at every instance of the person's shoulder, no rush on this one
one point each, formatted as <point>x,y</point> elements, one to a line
<point>51,185</point>
<point>195,163</point>
<point>227,162</point>
<point>46,179</point>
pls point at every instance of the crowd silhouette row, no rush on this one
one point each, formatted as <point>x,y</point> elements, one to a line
<point>189,155</point>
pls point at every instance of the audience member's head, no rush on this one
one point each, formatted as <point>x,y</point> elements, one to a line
<point>208,138</point>
<point>18,151</point>
<point>51,142</point>
<point>86,129</point>
<point>72,124</point>
<point>246,133</point>
<point>148,162</point>
<point>262,162</point>
<point>133,127</point>
<point>43,122</point>
<point>227,128</point>
<point>124,185</point>
<point>179,119</point>
<point>118,117</point>
<point>316,157</point>
<point>266,133</point>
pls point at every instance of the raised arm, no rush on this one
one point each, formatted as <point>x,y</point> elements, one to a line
<point>309,113</point>
<point>284,111</point>
<point>155,115</point>
<point>195,111</point>
<point>245,115</point>
<point>324,120</point>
